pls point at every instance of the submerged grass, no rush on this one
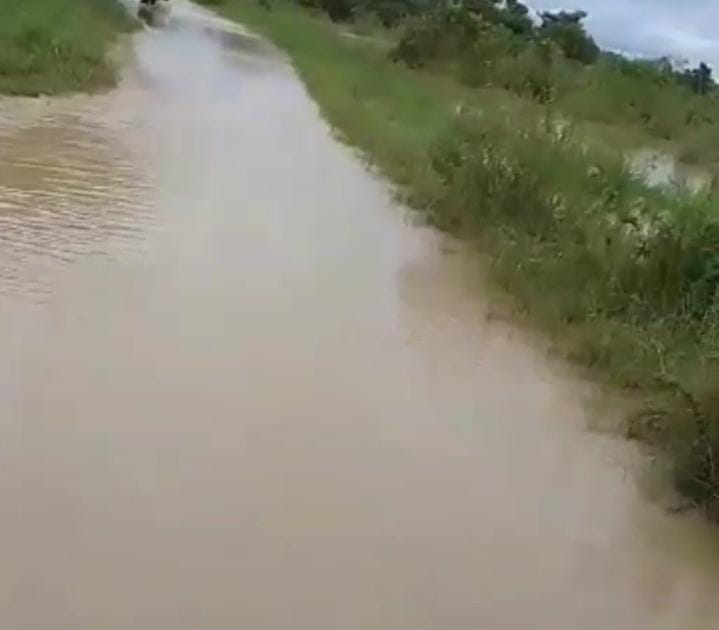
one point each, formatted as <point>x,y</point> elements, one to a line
<point>624,278</point>
<point>52,46</point>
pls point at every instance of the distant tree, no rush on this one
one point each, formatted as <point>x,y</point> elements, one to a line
<point>338,10</point>
<point>563,17</point>
<point>660,71</point>
<point>390,12</point>
<point>510,13</point>
<point>664,66</point>
<point>703,81</point>
<point>515,17</point>
<point>567,30</point>
<point>698,79</point>
<point>483,9</point>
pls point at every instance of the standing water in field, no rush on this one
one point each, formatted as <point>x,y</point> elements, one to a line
<point>241,391</point>
<point>658,168</point>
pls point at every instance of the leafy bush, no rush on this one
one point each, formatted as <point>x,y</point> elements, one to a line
<point>567,31</point>
<point>530,73</point>
<point>447,31</point>
<point>338,10</point>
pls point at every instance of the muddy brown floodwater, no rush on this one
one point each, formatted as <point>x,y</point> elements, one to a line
<point>241,391</point>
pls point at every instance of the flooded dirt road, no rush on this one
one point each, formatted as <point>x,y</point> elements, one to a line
<point>241,391</point>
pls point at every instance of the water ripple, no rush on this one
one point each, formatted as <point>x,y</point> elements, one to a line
<point>72,184</point>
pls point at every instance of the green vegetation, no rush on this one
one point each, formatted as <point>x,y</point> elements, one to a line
<point>558,63</point>
<point>377,105</point>
<point>51,46</point>
<point>624,278</point>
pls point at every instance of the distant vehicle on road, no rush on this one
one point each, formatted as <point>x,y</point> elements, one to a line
<point>153,12</point>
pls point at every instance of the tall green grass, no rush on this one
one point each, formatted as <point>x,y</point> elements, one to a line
<point>647,95</point>
<point>622,277</point>
<point>51,46</point>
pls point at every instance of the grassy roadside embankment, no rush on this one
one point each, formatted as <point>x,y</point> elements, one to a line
<point>55,46</point>
<point>377,106</point>
<point>623,278</point>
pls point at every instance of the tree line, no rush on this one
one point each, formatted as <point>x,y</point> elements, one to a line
<point>564,30</point>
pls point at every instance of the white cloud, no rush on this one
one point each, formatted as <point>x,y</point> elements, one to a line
<point>651,27</point>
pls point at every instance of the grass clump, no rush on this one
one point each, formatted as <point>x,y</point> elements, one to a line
<point>52,46</point>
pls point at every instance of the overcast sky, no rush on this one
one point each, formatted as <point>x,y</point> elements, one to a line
<point>686,29</point>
